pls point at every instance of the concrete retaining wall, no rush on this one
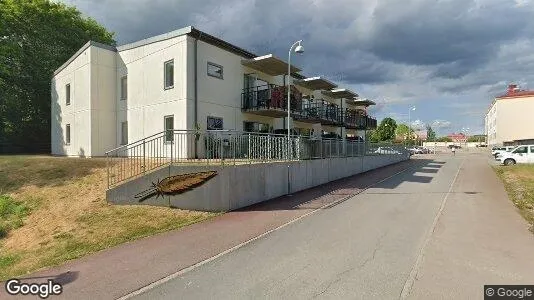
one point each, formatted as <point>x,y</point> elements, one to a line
<point>243,185</point>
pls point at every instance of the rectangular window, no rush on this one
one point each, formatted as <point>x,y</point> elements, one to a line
<point>215,70</point>
<point>67,134</point>
<point>124,133</point>
<point>67,94</point>
<point>532,149</point>
<point>169,128</point>
<point>124,88</point>
<point>169,74</point>
<point>215,123</point>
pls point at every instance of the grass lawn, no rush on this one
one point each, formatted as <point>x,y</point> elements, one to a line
<point>53,209</point>
<point>519,183</point>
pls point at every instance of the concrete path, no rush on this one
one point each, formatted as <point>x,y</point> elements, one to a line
<point>440,230</point>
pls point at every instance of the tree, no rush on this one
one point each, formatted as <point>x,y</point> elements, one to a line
<point>403,132</point>
<point>386,130</point>
<point>444,139</point>
<point>430,134</point>
<point>36,37</point>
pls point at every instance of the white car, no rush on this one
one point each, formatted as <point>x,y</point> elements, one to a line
<point>523,154</point>
<point>500,150</point>
<point>386,150</point>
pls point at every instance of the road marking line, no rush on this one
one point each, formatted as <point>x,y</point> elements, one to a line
<point>415,269</point>
<point>210,259</point>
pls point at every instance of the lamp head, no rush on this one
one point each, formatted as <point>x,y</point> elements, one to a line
<point>299,49</point>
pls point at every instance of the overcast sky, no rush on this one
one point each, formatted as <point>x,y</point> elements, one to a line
<point>448,58</point>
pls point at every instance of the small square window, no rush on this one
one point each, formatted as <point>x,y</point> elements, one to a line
<point>169,74</point>
<point>215,123</point>
<point>67,94</point>
<point>124,88</point>
<point>67,134</point>
<point>215,70</point>
<point>124,133</point>
<point>169,128</point>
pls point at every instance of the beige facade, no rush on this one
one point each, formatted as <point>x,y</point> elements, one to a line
<point>509,119</point>
<point>119,95</point>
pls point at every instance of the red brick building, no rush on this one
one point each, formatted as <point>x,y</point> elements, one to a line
<point>458,137</point>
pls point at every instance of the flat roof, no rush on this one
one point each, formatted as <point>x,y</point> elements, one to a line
<point>361,102</point>
<point>316,83</point>
<point>81,50</point>
<point>340,93</point>
<point>192,31</point>
<point>269,64</point>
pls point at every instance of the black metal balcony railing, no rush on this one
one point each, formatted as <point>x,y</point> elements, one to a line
<point>354,120</point>
<point>371,123</point>
<point>270,100</point>
<point>319,112</point>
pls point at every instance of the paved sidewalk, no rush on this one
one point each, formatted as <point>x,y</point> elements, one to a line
<point>116,272</point>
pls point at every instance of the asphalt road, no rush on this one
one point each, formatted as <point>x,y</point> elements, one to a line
<point>440,230</point>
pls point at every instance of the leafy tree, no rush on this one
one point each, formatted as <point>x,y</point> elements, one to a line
<point>444,139</point>
<point>430,134</point>
<point>36,37</point>
<point>386,130</point>
<point>403,132</point>
<point>476,138</point>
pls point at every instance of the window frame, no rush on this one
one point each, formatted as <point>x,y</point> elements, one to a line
<point>67,134</point>
<point>124,139</point>
<point>165,129</point>
<point>221,76</point>
<point>165,87</point>
<point>67,94</point>
<point>124,91</point>
<point>213,117</point>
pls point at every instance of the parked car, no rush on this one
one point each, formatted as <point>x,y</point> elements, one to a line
<point>523,154</point>
<point>415,150</point>
<point>386,150</point>
<point>501,150</point>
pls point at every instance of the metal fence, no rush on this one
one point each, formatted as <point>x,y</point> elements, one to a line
<point>223,147</point>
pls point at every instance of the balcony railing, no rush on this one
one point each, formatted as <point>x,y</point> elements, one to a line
<point>371,123</point>
<point>270,100</point>
<point>354,120</point>
<point>319,112</point>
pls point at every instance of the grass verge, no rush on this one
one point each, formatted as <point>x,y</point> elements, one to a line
<point>519,183</point>
<point>54,209</point>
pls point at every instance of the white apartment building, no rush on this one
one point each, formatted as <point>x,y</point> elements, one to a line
<point>509,118</point>
<point>104,96</point>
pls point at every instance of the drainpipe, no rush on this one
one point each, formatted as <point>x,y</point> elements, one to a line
<point>195,117</point>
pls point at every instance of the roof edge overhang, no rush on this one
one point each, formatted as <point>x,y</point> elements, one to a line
<point>361,102</point>
<point>269,64</point>
<point>316,83</point>
<point>340,93</point>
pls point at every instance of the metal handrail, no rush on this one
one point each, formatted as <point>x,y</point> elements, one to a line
<point>225,147</point>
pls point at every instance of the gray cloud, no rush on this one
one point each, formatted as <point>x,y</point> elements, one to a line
<point>394,51</point>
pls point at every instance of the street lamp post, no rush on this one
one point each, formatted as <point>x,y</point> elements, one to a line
<point>298,49</point>
<point>410,121</point>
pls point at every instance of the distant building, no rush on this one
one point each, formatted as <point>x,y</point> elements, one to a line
<point>509,118</point>
<point>458,137</point>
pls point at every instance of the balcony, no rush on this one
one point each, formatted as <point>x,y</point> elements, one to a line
<point>358,121</point>
<point>354,120</point>
<point>320,112</point>
<point>271,100</point>
<point>371,123</point>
